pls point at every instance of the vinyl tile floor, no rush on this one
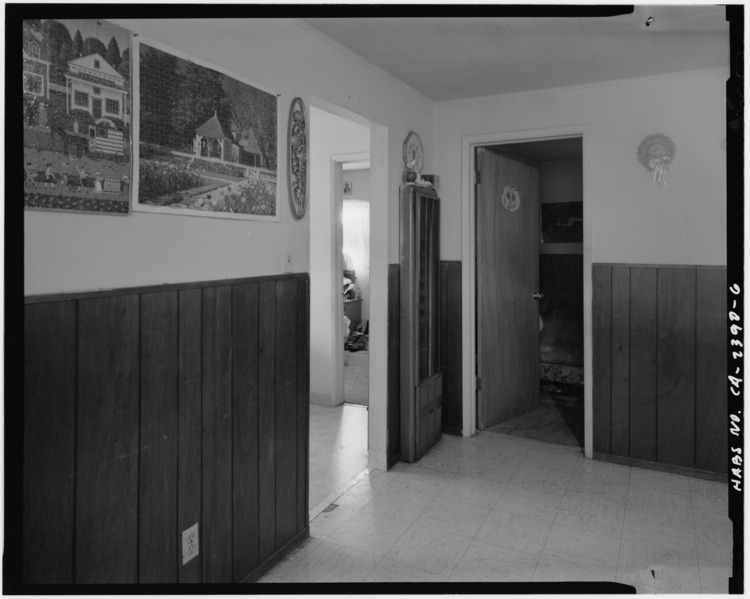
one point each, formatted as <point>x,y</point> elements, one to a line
<point>499,508</point>
<point>338,450</point>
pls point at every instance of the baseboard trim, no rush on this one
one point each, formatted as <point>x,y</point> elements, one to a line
<point>277,557</point>
<point>452,430</point>
<point>661,467</point>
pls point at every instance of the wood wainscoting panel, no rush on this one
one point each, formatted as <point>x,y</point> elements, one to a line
<point>216,530</point>
<point>394,364</point>
<point>159,415</point>
<point>675,375</point>
<point>107,447</point>
<point>711,371</point>
<point>49,461</point>
<point>245,401</point>
<point>149,410</point>
<point>643,319</point>
<point>190,421</point>
<point>451,356</point>
<point>602,363</point>
<point>660,365</point>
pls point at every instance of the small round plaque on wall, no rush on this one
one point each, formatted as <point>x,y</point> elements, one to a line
<point>511,199</point>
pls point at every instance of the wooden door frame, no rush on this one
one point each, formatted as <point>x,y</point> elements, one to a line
<point>468,258</point>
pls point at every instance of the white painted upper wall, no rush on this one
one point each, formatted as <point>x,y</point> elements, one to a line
<point>629,221</point>
<point>77,252</point>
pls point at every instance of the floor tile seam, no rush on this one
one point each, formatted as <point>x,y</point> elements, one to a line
<point>670,549</point>
<point>371,554</point>
<point>592,570</point>
<point>659,518</point>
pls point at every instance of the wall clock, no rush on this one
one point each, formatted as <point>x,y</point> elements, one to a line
<point>413,154</point>
<point>297,159</point>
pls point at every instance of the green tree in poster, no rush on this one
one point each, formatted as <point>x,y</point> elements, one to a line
<point>201,95</point>
<point>252,108</point>
<point>93,46</point>
<point>113,53</point>
<point>78,44</point>
<point>124,66</point>
<point>160,89</point>
<point>60,47</point>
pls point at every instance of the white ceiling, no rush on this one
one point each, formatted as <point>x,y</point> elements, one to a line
<point>447,58</point>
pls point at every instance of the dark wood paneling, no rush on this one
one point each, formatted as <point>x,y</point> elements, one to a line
<point>711,371</point>
<point>451,357</point>
<point>286,411</point>
<point>662,385</point>
<point>620,377</point>
<point>49,442</point>
<point>245,427</point>
<point>148,412</point>
<point>157,512</point>
<point>190,423</point>
<point>602,349</point>
<point>217,435</point>
<point>675,375</point>
<point>394,364</point>
<point>642,422</point>
<point>267,419</point>
<point>106,544</point>
<point>303,401</point>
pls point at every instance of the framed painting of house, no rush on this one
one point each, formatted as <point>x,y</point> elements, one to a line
<point>76,116</point>
<point>206,141</point>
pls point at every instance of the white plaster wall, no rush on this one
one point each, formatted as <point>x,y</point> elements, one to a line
<point>630,221</point>
<point>77,252</point>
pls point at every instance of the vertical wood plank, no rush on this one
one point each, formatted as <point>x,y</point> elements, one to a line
<point>394,363</point>
<point>267,417</point>
<point>711,370</point>
<point>245,429</point>
<point>286,410</point>
<point>602,348</point>
<point>157,513</point>
<point>303,400</point>
<point>620,381</point>
<point>643,344</point>
<point>217,435</point>
<point>451,348</point>
<point>106,544</point>
<point>190,423</point>
<point>49,442</point>
<point>675,410</point>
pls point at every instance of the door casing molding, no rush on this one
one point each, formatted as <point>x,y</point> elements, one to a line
<point>468,276</point>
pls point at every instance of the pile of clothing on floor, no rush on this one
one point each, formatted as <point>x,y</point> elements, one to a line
<point>357,339</point>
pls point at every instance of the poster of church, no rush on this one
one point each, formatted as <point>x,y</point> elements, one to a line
<point>76,116</point>
<point>207,141</point>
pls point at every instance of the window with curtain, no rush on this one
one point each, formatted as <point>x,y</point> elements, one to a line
<point>356,221</point>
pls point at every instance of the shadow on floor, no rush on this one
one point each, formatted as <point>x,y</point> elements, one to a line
<point>559,418</point>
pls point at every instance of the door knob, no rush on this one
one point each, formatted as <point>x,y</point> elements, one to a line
<point>537,295</point>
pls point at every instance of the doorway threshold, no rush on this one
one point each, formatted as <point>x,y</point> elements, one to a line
<point>314,511</point>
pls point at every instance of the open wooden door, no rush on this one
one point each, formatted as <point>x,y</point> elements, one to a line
<point>421,377</point>
<point>507,252</point>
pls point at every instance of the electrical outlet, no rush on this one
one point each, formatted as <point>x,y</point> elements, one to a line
<point>288,259</point>
<point>189,543</point>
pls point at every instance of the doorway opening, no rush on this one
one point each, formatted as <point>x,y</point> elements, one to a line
<point>356,281</point>
<point>339,438</point>
<point>529,289</point>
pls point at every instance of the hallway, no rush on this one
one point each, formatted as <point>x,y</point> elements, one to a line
<point>500,508</point>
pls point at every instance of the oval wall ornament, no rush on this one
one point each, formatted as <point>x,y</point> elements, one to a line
<point>511,199</point>
<point>656,153</point>
<point>297,158</point>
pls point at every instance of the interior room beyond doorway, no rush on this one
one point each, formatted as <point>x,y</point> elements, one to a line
<point>558,417</point>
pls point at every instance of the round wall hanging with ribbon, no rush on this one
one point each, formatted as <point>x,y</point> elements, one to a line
<point>655,153</point>
<point>511,199</point>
